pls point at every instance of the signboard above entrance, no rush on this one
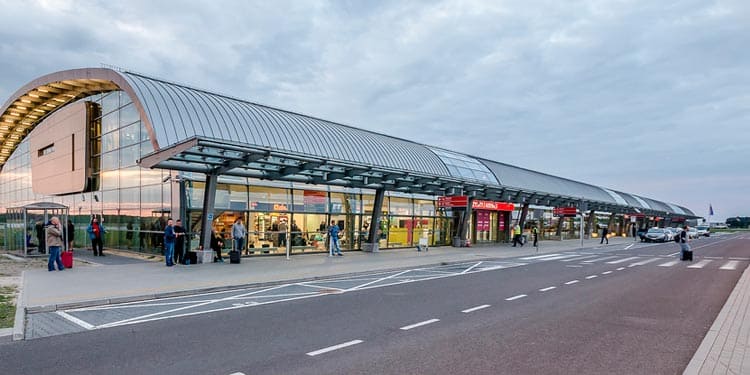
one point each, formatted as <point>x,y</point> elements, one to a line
<point>453,201</point>
<point>491,205</point>
<point>564,211</point>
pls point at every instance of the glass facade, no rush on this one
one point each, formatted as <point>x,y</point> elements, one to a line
<point>132,200</point>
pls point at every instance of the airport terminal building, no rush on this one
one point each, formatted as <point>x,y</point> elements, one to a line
<point>137,150</point>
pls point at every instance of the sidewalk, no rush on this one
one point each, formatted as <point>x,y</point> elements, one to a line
<point>103,284</point>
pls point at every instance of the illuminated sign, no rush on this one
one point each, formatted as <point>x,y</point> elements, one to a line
<point>491,205</point>
<point>564,211</point>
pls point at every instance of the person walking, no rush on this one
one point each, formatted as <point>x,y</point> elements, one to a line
<point>179,242</point>
<point>96,233</point>
<point>238,234</point>
<point>517,235</point>
<point>333,234</point>
<point>54,241</point>
<point>605,232</point>
<point>70,234</point>
<point>535,233</point>
<point>216,245</point>
<point>282,233</point>
<point>40,237</point>
<point>169,239</point>
<point>685,243</point>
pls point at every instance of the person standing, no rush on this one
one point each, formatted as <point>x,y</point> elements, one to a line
<point>216,244</point>
<point>517,235</point>
<point>40,237</point>
<point>169,237</point>
<point>238,234</point>
<point>282,233</point>
<point>96,233</point>
<point>535,233</point>
<point>685,242</point>
<point>605,232</point>
<point>179,242</point>
<point>70,234</point>
<point>333,233</point>
<point>55,242</point>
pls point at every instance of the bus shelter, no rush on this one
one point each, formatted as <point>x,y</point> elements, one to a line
<point>25,229</point>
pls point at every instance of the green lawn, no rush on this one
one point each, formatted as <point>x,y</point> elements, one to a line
<point>7,308</point>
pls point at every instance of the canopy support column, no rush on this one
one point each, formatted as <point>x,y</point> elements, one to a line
<point>207,217</point>
<point>373,237</point>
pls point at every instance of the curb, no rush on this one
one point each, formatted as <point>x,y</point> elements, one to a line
<point>19,324</point>
<point>702,354</point>
<point>223,288</point>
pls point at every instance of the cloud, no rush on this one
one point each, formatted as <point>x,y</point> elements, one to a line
<point>640,96</point>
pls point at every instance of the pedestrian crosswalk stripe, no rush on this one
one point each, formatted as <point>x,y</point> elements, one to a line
<point>579,258</point>
<point>598,259</point>
<point>701,264</point>
<point>731,265</point>
<point>540,256</point>
<point>622,260</point>
<point>647,261</point>
<point>561,257</point>
<point>670,264</point>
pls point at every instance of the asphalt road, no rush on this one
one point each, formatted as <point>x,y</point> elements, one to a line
<point>633,311</point>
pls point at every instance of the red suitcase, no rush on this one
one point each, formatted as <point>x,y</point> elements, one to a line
<point>67,259</point>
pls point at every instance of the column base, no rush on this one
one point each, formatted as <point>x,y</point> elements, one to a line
<point>371,247</point>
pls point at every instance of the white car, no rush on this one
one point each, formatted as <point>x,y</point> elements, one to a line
<point>703,230</point>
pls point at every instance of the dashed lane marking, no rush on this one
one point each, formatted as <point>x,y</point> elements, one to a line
<point>579,258</point>
<point>515,297</point>
<point>620,269</point>
<point>591,277</point>
<point>700,264</point>
<point>622,260</point>
<point>335,347</point>
<point>571,282</point>
<point>731,265</point>
<point>415,325</point>
<point>541,256</point>
<point>606,272</point>
<point>547,288</point>
<point>475,309</point>
<point>629,246</point>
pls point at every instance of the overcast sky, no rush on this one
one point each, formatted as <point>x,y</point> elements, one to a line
<point>647,97</point>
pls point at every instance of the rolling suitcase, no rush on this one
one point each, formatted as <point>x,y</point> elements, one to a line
<point>687,255</point>
<point>234,257</point>
<point>67,259</point>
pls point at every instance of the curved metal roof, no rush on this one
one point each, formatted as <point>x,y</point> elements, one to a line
<point>179,113</point>
<point>196,130</point>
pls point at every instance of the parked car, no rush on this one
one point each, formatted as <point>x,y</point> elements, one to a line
<point>671,233</point>
<point>657,235</point>
<point>692,232</point>
<point>703,230</point>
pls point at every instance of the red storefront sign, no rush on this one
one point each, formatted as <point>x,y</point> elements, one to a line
<point>453,201</point>
<point>491,205</point>
<point>639,215</point>
<point>565,211</point>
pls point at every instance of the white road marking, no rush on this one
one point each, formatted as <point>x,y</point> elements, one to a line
<point>598,259</point>
<point>700,264</point>
<point>571,282</point>
<point>622,260</point>
<point>647,261</point>
<point>714,257</point>
<point>731,265</point>
<point>237,373</point>
<point>670,264</point>
<point>606,272</point>
<point>541,256</point>
<point>629,246</point>
<point>561,257</point>
<point>547,288</point>
<point>591,277</point>
<point>579,258</point>
<point>378,280</point>
<point>75,320</point>
<point>515,297</point>
<point>471,268</point>
<point>673,254</point>
<point>475,309</point>
<point>335,347</point>
<point>415,325</point>
<point>738,258</point>
<point>574,266</point>
<point>620,269</point>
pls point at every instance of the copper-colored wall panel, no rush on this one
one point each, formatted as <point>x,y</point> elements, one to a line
<point>65,169</point>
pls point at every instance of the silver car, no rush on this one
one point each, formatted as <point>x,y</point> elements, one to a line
<point>657,235</point>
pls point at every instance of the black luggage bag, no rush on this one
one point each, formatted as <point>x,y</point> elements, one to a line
<point>234,257</point>
<point>687,255</point>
